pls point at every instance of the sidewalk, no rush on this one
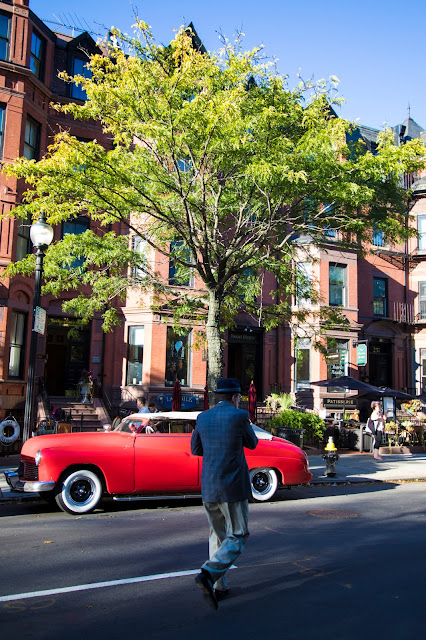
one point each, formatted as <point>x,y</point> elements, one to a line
<point>361,467</point>
<point>351,468</point>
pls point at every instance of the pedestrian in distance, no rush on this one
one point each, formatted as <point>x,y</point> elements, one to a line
<point>141,404</point>
<point>152,407</point>
<point>220,436</point>
<point>376,426</point>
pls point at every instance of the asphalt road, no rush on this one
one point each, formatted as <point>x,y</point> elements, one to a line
<point>322,563</point>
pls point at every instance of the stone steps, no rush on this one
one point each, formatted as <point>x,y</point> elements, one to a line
<point>83,415</point>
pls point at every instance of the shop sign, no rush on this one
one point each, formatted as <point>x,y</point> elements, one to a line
<point>188,401</point>
<point>361,355</point>
<point>242,337</point>
<point>339,403</point>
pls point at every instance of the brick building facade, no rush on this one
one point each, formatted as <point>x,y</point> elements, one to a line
<point>383,295</point>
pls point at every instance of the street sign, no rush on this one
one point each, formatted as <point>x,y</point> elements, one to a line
<point>39,320</point>
<point>361,355</point>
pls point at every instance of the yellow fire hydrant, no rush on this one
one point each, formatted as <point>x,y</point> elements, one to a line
<point>330,457</point>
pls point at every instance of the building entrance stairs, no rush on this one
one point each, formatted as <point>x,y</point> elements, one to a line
<point>82,416</point>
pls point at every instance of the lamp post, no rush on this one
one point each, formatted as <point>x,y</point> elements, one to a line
<point>41,234</point>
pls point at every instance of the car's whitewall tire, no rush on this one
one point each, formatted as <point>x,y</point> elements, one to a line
<point>79,492</point>
<point>264,483</point>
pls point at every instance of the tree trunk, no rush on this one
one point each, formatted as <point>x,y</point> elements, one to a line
<point>214,342</point>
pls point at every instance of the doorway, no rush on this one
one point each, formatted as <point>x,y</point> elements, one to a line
<point>380,357</point>
<point>245,350</point>
<point>67,355</point>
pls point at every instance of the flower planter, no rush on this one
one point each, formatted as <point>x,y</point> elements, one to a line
<point>292,435</point>
<point>401,449</point>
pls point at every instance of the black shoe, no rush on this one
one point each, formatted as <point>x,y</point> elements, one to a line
<point>221,594</point>
<point>205,583</point>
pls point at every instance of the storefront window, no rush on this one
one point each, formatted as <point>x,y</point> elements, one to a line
<point>337,358</point>
<point>177,358</point>
<point>135,355</point>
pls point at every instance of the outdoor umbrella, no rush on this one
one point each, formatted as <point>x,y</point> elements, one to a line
<point>349,383</point>
<point>206,397</point>
<point>176,397</point>
<point>252,402</point>
<point>393,393</point>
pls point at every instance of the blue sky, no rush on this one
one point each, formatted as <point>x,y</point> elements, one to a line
<point>375,47</point>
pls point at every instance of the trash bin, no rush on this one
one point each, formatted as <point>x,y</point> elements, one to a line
<point>367,442</point>
<point>293,435</point>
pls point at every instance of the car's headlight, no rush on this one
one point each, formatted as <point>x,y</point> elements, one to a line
<point>37,458</point>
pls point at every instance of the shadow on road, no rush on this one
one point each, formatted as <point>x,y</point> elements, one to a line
<point>108,505</point>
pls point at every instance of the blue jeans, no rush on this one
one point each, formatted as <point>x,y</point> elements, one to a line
<point>229,532</point>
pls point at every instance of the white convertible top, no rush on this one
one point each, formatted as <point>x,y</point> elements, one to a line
<point>189,415</point>
<point>175,415</point>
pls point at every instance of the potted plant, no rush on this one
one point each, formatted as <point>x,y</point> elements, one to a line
<point>292,425</point>
<point>280,401</point>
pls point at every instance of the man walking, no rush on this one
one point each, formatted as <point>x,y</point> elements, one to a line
<point>220,436</point>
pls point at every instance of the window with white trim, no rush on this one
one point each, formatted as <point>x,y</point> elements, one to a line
<point>17,345</point>
<point>337,279</point>
<point>135,344</point>
<point>303,283</point>
<point>337,357</point>
<point>178,358</point>
<point>421,228</point>
<point>422,300</point>
<point>303,364</point>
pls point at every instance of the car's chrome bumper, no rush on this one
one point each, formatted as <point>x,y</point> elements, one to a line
<point>12,479</point>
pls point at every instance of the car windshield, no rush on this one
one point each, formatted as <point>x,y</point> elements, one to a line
<point>145,424</point>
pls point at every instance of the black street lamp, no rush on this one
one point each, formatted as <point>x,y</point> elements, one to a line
<point>41,234</point>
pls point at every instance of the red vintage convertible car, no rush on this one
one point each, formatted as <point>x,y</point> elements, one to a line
<point>147,456</point>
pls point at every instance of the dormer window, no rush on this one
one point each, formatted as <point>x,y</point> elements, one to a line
<point>80,68</point>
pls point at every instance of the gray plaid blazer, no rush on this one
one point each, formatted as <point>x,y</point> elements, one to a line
<point>220,436</point>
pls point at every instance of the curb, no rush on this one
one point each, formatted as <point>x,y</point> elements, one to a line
<point>333,482</point>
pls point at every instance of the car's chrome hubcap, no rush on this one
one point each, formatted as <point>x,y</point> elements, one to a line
<point>260,482</point>
<point>81,491</point>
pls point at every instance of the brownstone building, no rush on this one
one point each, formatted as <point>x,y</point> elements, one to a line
<point>30,57</point>
<point>383,296</point>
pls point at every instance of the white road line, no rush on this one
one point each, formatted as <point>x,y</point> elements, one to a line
<point>97,585</point>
